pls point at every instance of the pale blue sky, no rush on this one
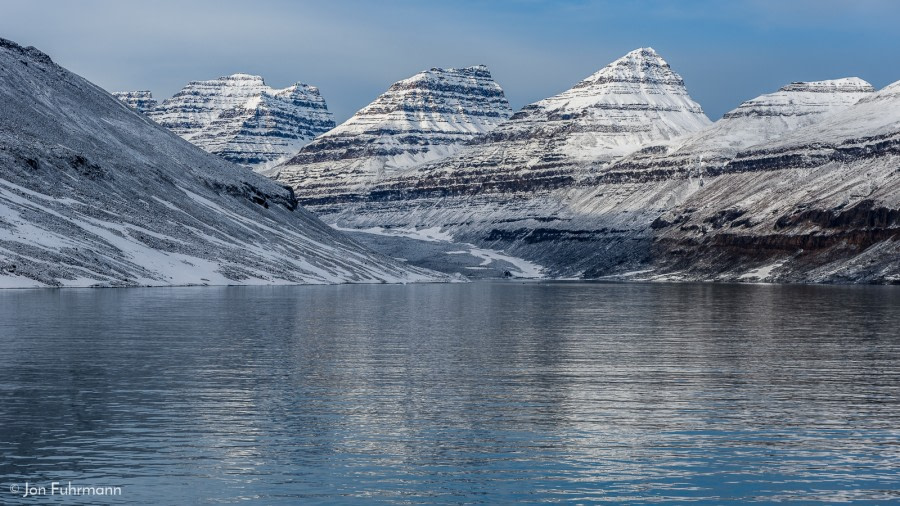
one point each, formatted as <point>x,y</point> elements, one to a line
<point>727,51</point>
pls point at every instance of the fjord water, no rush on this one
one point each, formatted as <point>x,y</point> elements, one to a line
<point>479,392</point>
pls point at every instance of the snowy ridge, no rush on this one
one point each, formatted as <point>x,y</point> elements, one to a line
<point>93,193</point>
<point>422,118</point>
<point>760,120</point>
<point>242,119</point>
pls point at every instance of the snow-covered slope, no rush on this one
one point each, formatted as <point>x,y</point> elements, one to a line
<point>242,119</point>
<point>821,203</point>
<point>93,193</point>
<point>423,118</point>
<point>762,119</point>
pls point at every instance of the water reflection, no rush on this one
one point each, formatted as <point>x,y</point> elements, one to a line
<point>481,392</point>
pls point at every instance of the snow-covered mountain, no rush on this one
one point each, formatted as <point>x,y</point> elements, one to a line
<point>141,101</point>
<point>820,203</point>
<point>423,118</point>
<point>240,118</point>
<point>93,193</point>
<point>762,119</point>
<point>516,188</point>
<point>623,175</point>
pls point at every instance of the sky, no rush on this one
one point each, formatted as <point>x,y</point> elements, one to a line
<point>726,51</point>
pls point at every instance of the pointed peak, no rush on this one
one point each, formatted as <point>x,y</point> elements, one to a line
<point>642,52</point>
<point>639,56</point>
<point>642,65</point>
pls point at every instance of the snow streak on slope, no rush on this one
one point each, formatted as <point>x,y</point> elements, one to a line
<point>423,118</point>
<point>93,193</point>
<point>241,119</point>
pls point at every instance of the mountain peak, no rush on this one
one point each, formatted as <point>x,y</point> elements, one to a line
<point>240,118</point>
<point>470,74</point>
<point>843,85</point>
<point>641,53</point>
<point>140,100</point>
<point>642,65</point>
<point>241,76</point>
<point>422,118</point>
<point>805,101</point>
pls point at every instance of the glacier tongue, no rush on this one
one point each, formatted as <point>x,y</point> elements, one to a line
<point>240,118</point>
<point>422,118</point>
<point>93,193</point>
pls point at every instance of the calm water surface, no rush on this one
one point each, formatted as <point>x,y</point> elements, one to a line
<point>481,392</point>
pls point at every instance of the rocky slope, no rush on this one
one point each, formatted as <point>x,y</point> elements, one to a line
<point>242,119</point>
<point>93,193</point>
<point>423,118</point>
<point>819,204</point>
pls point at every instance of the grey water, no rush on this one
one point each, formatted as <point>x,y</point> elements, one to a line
<point>490,392</point>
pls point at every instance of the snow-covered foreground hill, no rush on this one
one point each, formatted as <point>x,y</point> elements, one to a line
<point>95,194</point>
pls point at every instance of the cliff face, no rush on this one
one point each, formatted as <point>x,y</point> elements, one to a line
<point>93,193</point>
<point>241,119</point>
<point>423,118</point>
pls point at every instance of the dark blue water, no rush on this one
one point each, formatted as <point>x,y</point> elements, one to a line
<point>481,392</point>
